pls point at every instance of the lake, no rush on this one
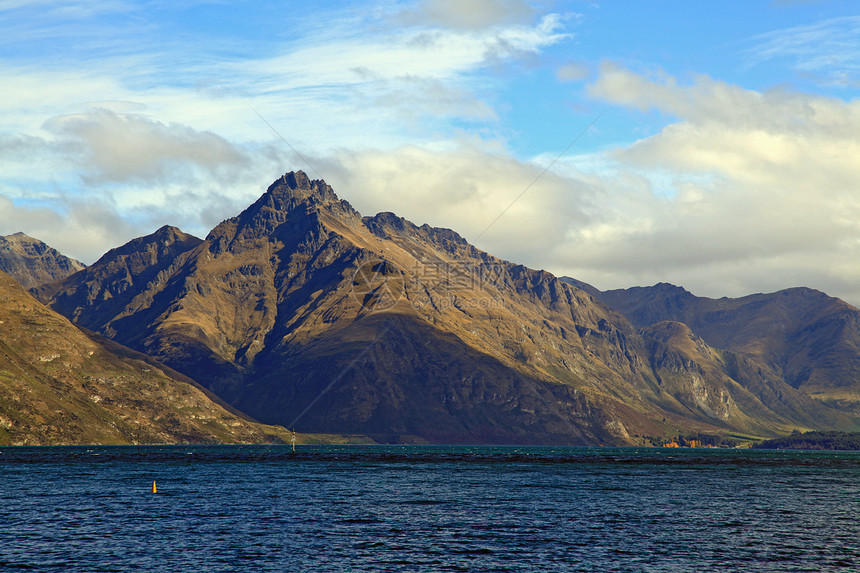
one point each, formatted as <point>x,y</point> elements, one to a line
<point>417,508</point>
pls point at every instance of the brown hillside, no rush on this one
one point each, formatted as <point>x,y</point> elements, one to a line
<point>60,386</point>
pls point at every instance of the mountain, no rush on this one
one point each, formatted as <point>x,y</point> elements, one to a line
<point>32,263</point>
<point>299,311</point>
<point>59,385</point>
<point>729,385</point>
<point>804,337</point>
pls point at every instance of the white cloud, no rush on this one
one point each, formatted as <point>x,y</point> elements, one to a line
<point>475,14</point>
<point>331,91</point>
<point>79,229</point>
<point>465,187</point>
<point>573,72</point>
<point>130,148</point>
<point>30,95</point>
<point>765,191</point>
<point>400,85</point>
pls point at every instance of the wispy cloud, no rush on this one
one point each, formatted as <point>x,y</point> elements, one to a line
<point>50,8</point>
<point>828,51</point>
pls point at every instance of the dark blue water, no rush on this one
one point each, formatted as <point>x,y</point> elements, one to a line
<point>357,508</point>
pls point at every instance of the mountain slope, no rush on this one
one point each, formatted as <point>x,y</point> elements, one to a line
<point>32,263</point>
<point>59,385</point>
<point>728,385</point>
<point>808,339</point>
<point>300,311</point>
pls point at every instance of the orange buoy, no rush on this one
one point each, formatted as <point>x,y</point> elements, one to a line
<point>154,489</point>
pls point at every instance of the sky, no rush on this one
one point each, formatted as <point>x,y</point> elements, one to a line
<point>712,145</point>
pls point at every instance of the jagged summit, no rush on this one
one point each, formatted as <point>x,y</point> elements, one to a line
<point>291,207</point>
<point>298,185</point>
<point>294,203</point>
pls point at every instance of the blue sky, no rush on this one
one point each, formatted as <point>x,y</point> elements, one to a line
<point>723,154</point>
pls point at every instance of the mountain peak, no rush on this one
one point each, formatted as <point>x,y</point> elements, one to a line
<point>297,185</point>
<point>167,239</point>
<point>664,287</point>
<point>20,237</point>
<point>297,180</point>
<point>292,198</point>
<point>33,263</point>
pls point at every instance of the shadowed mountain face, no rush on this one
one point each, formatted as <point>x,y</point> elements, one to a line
<point>300,311</point>
<point>799,335</point>
<point>59,385</point>
<point>33,263</point>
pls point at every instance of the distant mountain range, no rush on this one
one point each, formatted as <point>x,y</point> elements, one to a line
<point>801,336</point>
<point>303,313</point>
<point>32,263</point>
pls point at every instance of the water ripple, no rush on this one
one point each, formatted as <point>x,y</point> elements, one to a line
<point>399,508</point>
